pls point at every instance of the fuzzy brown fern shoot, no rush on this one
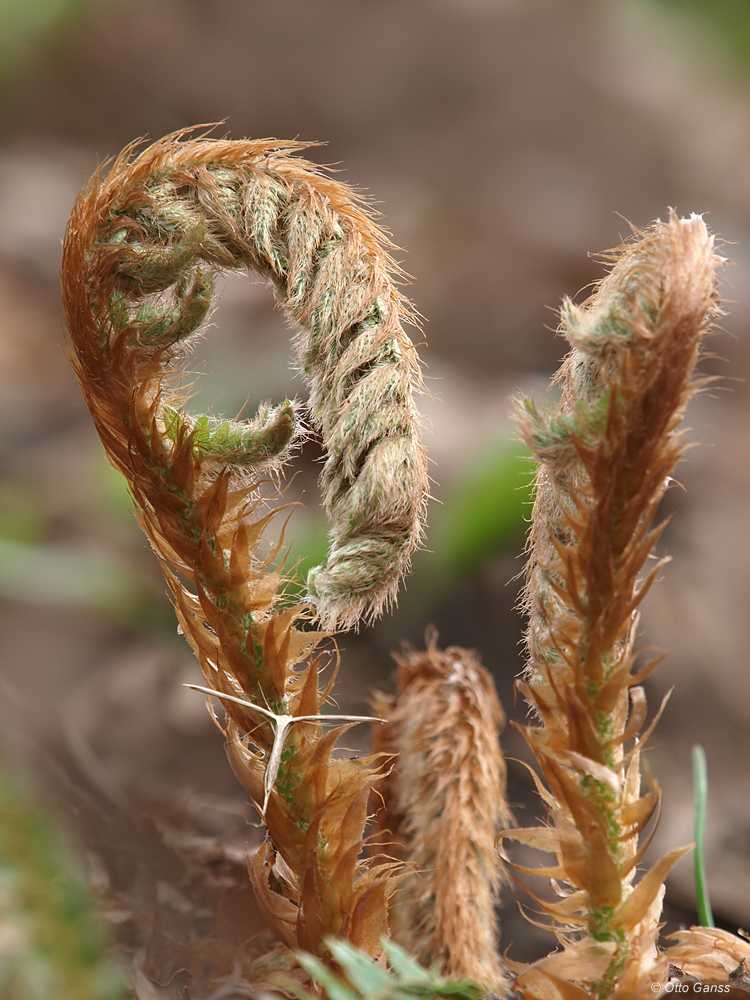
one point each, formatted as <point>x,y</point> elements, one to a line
<point>444,802</point>
<point>141,250</point>
<point>606,451</point>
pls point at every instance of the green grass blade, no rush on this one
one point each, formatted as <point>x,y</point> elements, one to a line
<point>700,783</point>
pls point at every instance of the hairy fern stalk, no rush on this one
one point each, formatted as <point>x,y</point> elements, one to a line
<point>142,248</point>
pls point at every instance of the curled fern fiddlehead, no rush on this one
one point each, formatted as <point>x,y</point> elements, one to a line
<point>164,222</point>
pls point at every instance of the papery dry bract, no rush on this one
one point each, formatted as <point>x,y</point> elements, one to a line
<point>710,953</point>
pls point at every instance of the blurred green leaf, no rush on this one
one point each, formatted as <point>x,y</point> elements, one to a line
<point>484,511</point>
<point>24,23</point>
<point>68,577</point>
<point>109,490</point>
<point>52,945</point>
<point>728,21</point>
<point>365,976</point>
<point>22,517</point>
<point>309,548</point>
<point>362,979</point>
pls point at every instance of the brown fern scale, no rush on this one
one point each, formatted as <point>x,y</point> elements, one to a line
<point>445,804</point>
<point>140,250</point>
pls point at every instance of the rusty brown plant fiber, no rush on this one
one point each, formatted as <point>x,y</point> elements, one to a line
<point>140,251</point>
<point>444,804</point>
<point>606,451</point>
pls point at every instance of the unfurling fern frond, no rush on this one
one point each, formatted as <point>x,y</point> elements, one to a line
<point>141,250</point>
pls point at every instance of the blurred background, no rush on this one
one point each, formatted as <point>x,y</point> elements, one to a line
<point>504,142</point>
